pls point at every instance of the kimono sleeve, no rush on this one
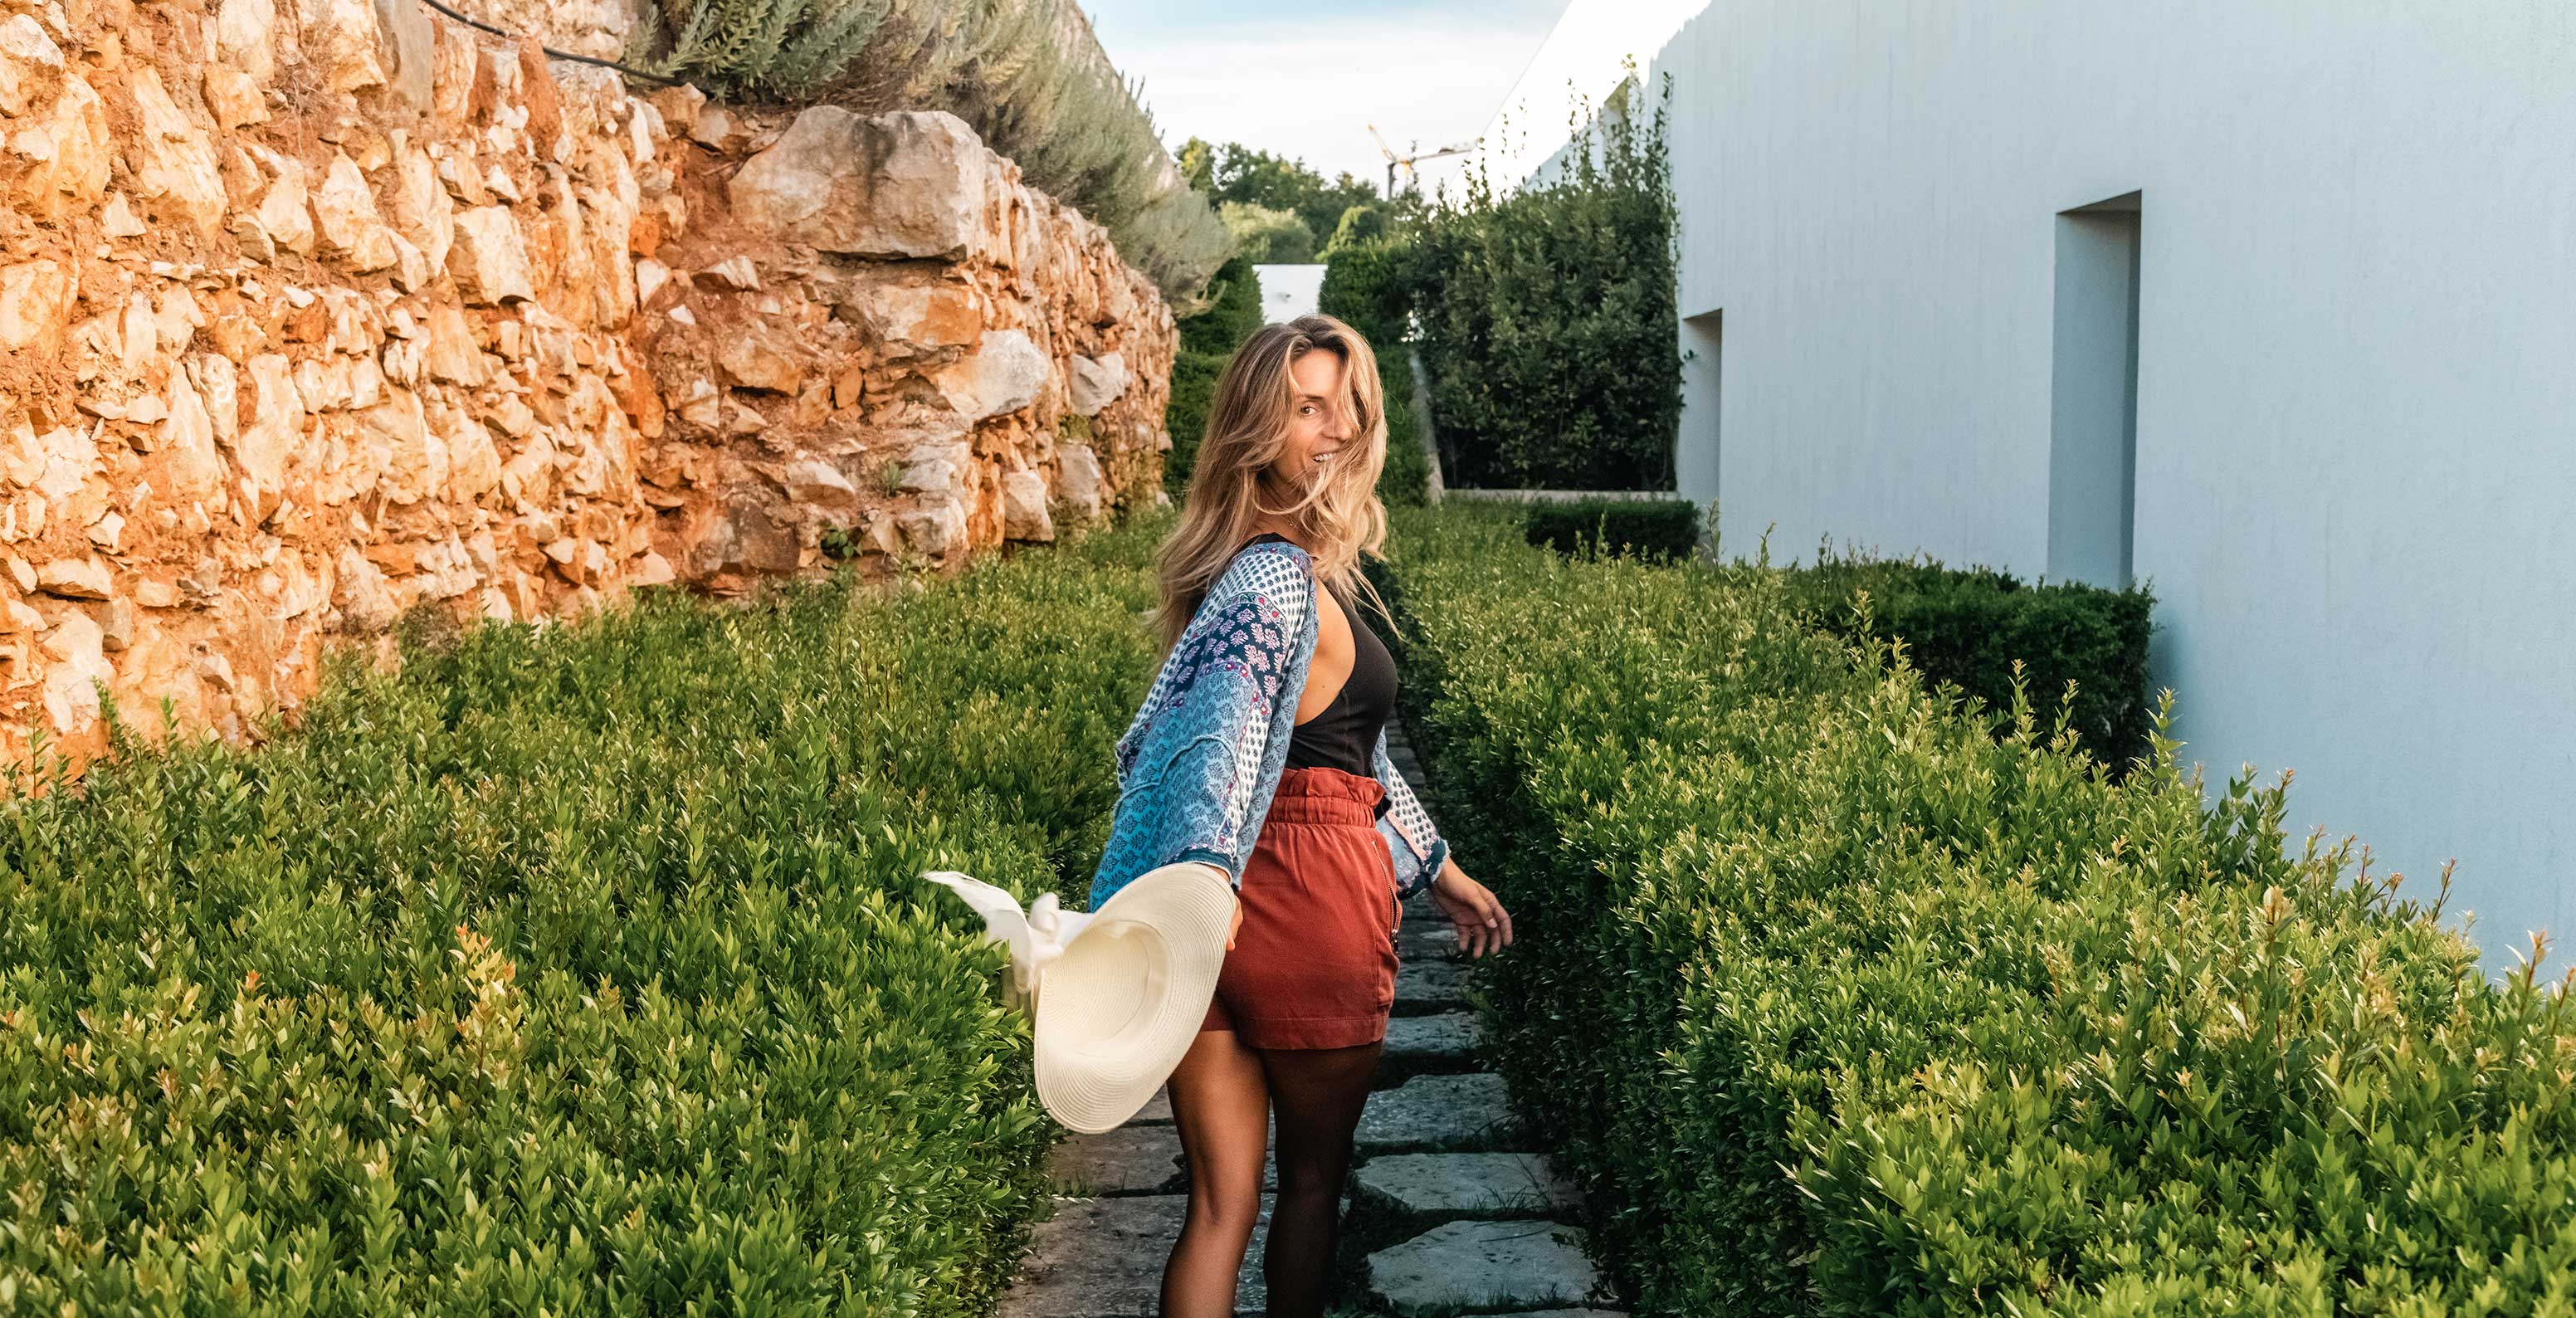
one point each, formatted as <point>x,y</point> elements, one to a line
<point>1197,765</point>
<point>1418,849</point>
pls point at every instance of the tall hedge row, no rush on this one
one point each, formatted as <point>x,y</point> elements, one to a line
<point>1547,318</point>
<point>1363,285</point>
<point>582,970</point>
<point>1841,1004</point>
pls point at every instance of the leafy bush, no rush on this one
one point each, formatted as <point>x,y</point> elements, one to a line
<point>1547,323</point>
<point>1364,285</point>
<point>1841,1004</point>
<point>1268,236</point>
<point>1970,627</point>
<point>583,969</point>
<point>1028,76</point>
<point>1233,172</point>
<point>1657,530</point>
<point>1358,224</point>
<point>1232,313</point>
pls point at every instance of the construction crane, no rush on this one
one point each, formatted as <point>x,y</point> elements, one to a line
<point>1394,161</point>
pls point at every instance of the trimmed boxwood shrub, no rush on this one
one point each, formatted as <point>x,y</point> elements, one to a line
<point>1839,1004</point>
<point>583,969</point>
<point>1657,530</point>
<point>1980,629</point>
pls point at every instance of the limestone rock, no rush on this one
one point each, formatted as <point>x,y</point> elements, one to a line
<point>1078,487</point>
<point>413,45</point>
<point>76,645</point>
<point>489,259</point>
<point>76,578</point>
<point>1096,382</point>
<point>422,211</point>
<point>1005,373</point>
<point>65,154</point>
<point>344,211</point>
<point>35,301</point>
<point>342,41</point>
<point>31,66</point>
<point>903,184</point>
<point>910,311</point>
<point>177,164</point>
<point>1431,1040</point>
<point>937,468</point>
<point>245,36</point>
<point>233,97</point>
<point>754,357</point>
<point>936,527</point>
<point>1024,507</point>
<point>283,218</point>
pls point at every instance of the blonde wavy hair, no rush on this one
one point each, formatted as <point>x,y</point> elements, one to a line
<point>1338,518</point>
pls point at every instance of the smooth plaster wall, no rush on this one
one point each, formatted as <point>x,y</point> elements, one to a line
<point>2356,377</point>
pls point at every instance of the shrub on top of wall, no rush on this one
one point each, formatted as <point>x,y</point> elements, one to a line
<point>1971,627</point>
<point>1657,530</point>
<point>1029,76</point>
<point>583,969</point>
<point>1839,1004</point>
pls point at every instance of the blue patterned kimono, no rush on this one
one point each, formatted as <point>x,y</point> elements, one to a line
<point>1200,762</point>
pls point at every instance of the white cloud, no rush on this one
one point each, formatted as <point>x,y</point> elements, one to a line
<point>1309,91</point>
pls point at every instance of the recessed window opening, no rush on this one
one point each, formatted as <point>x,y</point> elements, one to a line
<point>2093,412</point>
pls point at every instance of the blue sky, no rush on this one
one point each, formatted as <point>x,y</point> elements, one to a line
<point>1307,79</point>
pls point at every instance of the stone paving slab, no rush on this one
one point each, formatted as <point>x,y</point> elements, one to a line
<point>1103,1258</point>
<point>1429,986</point>
<point>1468,1184</point>
<point>1128,1160</point>
<point>1415,1041</point>
<point>1438,1112</point>
<point>1156,1112</point>
<point>1479,1264</point>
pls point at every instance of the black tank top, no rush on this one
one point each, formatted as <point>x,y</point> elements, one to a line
<point>1344,735</point>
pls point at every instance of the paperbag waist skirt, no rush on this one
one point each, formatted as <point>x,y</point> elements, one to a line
<point>1314,964</point>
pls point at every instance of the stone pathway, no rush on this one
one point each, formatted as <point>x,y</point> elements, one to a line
<point>1448,1212</point>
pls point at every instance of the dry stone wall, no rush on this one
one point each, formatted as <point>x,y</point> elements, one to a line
<point>313,312</point>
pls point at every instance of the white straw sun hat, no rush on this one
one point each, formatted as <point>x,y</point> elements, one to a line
<point>1119,992</point>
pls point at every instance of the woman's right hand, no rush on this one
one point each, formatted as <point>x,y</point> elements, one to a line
<point>1233,928</point>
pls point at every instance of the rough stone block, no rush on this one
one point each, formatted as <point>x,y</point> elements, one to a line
<point>1468,1184</point>
<point>1438,1112</point>
<point>1483,1265</point>
<point>905,184</point>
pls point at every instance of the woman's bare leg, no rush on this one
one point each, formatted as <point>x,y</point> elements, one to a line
<point>1221,1104</point>
<point>1318,1093</point>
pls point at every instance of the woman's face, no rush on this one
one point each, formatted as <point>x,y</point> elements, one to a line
<point>1321,419</point>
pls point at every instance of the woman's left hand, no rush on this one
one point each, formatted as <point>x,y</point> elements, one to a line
<point>1483,925</point>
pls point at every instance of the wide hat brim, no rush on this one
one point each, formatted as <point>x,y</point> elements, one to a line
<point>1118,1010</point>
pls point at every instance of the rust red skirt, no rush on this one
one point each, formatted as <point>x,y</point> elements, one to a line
<point>1314,964</point>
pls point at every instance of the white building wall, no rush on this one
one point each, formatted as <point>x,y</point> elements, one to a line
<point>2355,377</point>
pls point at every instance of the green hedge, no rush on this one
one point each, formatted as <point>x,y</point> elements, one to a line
<point>581,970</point>
<point>1657,530</point>
<point>1971,626</point>
<point>1208,338</point>
<point>1839,1004</point>
<point>1364,286</point>
<point>1547,323</point>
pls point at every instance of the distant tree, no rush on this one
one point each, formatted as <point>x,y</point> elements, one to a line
<point>1235,172</point>
<point>1358,224</point>
<point>1268,236</point>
